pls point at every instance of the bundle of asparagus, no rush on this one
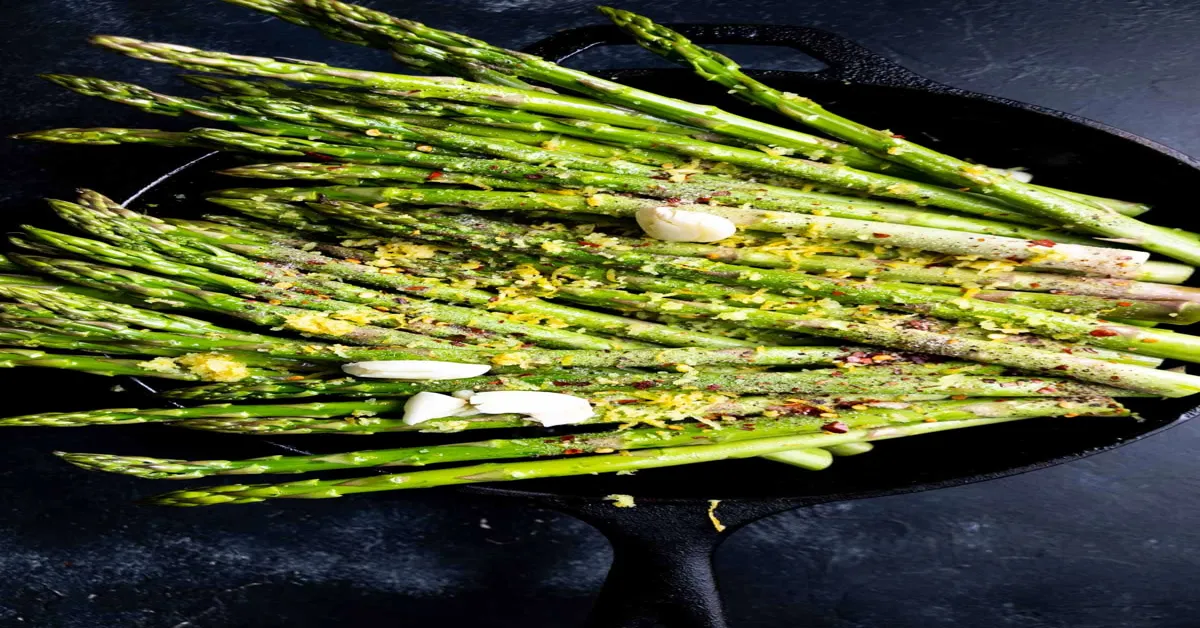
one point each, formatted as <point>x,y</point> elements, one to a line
<point>530,246</point>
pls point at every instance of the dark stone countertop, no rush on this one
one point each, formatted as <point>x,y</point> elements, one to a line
<point>1108,541</point>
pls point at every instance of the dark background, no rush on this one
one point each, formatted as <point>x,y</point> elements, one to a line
<point>1108,541</point>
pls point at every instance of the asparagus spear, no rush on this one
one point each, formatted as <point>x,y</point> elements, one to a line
<point>83,303</point>
<point>594,442</point>
<point>850,449</point>
<point>1170,273</point>
<point>264,115</point>
<point>127,416</point>
<point>742,406</point>
<point>484,233</point>
<point>840,176</point>
<point>494,116</point>
<point>178,294</point>
<point>462,48</point>
<point>292,13</point>
<point>818,381</point>
<point>953,171</point>
<point>575,465</point>
<point>210,367</point>
<point>133,224</point>
<point>351,303</point>
<point>1033,253</point>
<point>526,269</point>
<point>425,87</point>
<point>709,189</point>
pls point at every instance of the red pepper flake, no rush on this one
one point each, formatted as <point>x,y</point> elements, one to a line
<point>435,175</point>
<point>838,293</point>
<point>712,387</point>
<point>1047,390</point>
<point>568,438</point>
<point>497,382</point>
<point>1067,350</point>
<point>1046,243</point>
<point>571,452</point>
<point>749,427</point>
<point>643,385</point>
<point>1035,285</point>
<point>1124,303</point>
<point>493,299</point>
<point>703,199</point>
<point>674,200</point>
<point>958,397</point>
<point>625,401</point>
<point>1061,367</point>
<point>836,427</point>
<point>570,383</point>
<point>533,176</point>
<point>415,288</point>
<point>1102,333</point>
<point>586,243</point>
<point>318,156</point>
<point>881,235</point>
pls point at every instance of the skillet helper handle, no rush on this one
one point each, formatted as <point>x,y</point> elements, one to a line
<point>662,571</point>
<point>847,61</point>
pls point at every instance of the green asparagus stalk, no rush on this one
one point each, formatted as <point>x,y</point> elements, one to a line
<point>526,270</point>
<point>178,294</point>
<point>1170,273</point>
<point>429,61</point>
<point>494,116</point>
<point>128,416</point>
<point>425,87</point>
<point>204,368</point>
<point>862,381</point>
<point>574,465</point>
<point>652,414</point>
<point>550,334</point>
<point>841,176</point>
<point>534,68</point>
<point>264,116</point>
<point>351,303</point>
<point>484,233</point>
<point>953,171</point>
<point>850,449</point>
<point>1046,254</point>
<point>83,303</point>
<point>595,442</point>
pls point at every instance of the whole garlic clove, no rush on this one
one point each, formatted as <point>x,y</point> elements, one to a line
<point>677,225</point>
<point>547,408</point>
<point>415,370</point>
<point>425,406</point>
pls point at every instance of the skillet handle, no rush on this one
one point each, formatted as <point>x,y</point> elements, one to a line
<point>847,60</point>
<point>662,571</point>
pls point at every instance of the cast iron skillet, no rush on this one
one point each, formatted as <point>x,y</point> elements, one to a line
<point>662,574</point>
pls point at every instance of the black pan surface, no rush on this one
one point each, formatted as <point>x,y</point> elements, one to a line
<point>1061,150</point>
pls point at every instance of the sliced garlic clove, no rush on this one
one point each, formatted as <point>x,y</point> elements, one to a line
<point>677,225</point>
<point>425,406</point>
<point>547,408</point>
<point>415,370</point>
<point>1018,174</point>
